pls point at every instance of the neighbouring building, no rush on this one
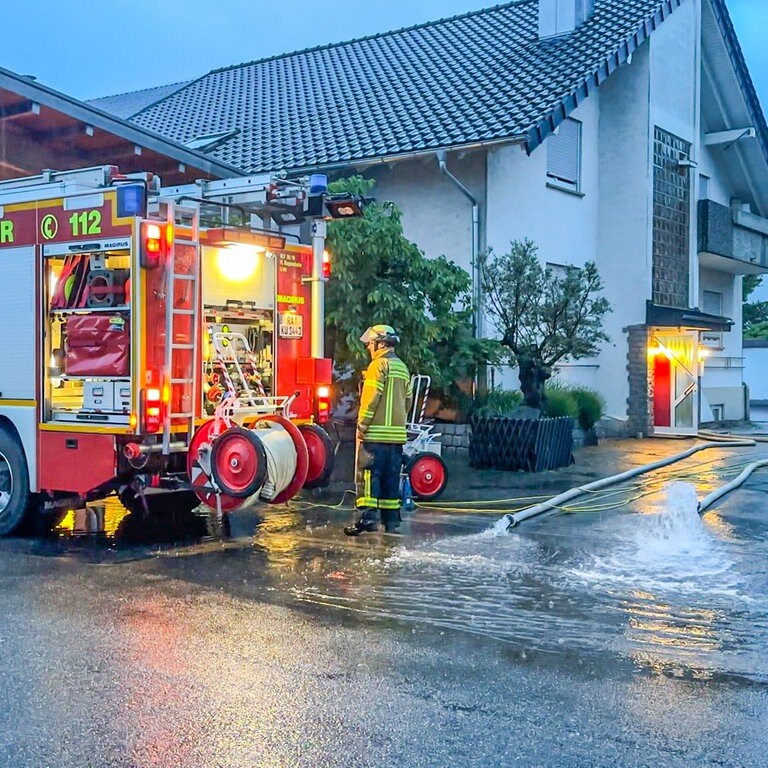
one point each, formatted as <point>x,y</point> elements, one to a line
<point>622,131</point>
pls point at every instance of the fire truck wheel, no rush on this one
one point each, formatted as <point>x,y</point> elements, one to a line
<point>239,462</point>
<point>428,475</point>
<point>15,498</point>
<point>321,456</point>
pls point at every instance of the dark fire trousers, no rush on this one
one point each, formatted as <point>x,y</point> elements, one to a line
<point>378,482</point>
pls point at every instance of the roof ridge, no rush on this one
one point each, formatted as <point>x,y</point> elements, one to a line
<point>377,35</point>
<point>140,90</point>
<point>184,85</point>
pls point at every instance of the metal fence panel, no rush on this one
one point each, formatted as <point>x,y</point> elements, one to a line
<point>530,445</point>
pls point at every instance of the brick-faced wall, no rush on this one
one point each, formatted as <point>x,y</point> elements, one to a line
<point>640,400</point>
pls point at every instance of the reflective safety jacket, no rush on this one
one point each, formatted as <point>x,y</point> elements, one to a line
<point>386,398</point>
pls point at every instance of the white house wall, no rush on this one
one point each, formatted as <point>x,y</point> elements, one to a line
<point>562,224</point>
<point>675,93</point>
<point>756,373</point>
<point>624,230</point>
<point>712,166</point>
<point>724,368</point>
<point>521,205</point>
<point>436,215</point>
<point>674,68</point>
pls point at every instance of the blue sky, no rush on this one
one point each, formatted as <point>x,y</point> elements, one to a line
<point>88,48</point>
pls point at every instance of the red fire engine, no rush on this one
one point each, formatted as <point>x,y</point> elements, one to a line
<point>161,338</point>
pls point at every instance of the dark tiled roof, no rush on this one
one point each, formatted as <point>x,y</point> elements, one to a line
<point>480,77</point>
<point>126,105</point>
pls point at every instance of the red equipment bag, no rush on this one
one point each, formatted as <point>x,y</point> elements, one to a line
<point>96,345</point>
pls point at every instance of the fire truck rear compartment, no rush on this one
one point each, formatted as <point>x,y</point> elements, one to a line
<point>88,338</point>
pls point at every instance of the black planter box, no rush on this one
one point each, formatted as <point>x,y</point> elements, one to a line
<point>530,445</point>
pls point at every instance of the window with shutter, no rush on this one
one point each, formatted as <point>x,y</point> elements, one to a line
<point>712,304</point>
<point>564,155</point>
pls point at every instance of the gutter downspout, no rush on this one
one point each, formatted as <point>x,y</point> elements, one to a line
<point>477,316</point>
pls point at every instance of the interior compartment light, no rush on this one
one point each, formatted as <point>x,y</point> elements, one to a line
<point>238,263</point>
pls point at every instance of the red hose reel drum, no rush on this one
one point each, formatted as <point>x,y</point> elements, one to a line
<point>321,455</point>
<point>200,479</point>
<point>237,462</point>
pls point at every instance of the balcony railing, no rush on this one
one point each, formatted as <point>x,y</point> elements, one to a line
<point>732,240</point>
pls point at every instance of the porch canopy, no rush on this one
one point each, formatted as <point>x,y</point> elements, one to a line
<point>657,316</point>
<point>43,129</point>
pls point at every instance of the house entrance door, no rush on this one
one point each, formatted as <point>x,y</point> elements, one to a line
<point>675,383</point>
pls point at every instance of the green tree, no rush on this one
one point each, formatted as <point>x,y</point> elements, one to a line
<point>379,276</point>
<point>754,313</point>
<point>542,318</point>
<point>748,285</point>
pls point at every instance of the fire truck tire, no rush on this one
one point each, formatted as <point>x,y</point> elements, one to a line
<point>302,460</point>
<point>321,456</point>
<point>15,498</point>
<point>427,474</point>
<point>239,462</point>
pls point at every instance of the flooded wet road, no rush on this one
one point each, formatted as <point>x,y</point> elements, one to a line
<point>627,632</point>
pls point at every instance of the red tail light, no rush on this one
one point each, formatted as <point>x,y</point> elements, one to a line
<point>326,265</point>
<point>323,404</point>
<point>153,244</point>
<point>151,410</point>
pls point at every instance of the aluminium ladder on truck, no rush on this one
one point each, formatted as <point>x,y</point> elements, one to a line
<point>182,321</point>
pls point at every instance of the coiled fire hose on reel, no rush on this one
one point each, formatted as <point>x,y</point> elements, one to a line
<point>281,458</point>
<point>232,465</point>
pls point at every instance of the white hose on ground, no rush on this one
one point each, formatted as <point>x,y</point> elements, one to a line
<point>725,436</point>
<point>511,520</point>
<point>281,459</point>
<point>710,499</point>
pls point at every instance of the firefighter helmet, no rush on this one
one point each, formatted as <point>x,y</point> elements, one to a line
<point>383,333</point>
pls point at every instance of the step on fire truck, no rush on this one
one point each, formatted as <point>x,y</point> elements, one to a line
<point>161,339</point>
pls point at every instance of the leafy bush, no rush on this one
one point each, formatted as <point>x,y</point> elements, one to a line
<point>591,407</point>
<point>499,402</point>
<point>560,401</point>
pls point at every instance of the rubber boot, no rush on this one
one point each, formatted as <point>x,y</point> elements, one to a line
<point>366,524</point>
<point>391,519</point>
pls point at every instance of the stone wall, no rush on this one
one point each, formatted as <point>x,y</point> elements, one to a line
<point>454,438</point>
<point>640,400</point>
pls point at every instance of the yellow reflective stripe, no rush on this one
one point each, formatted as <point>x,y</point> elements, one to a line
<point>380,429</point>
<point>389,504</point>
<point>365,501</point>
<point>367,480</point>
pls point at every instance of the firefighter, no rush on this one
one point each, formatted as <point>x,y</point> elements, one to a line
<point>381,433</point>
